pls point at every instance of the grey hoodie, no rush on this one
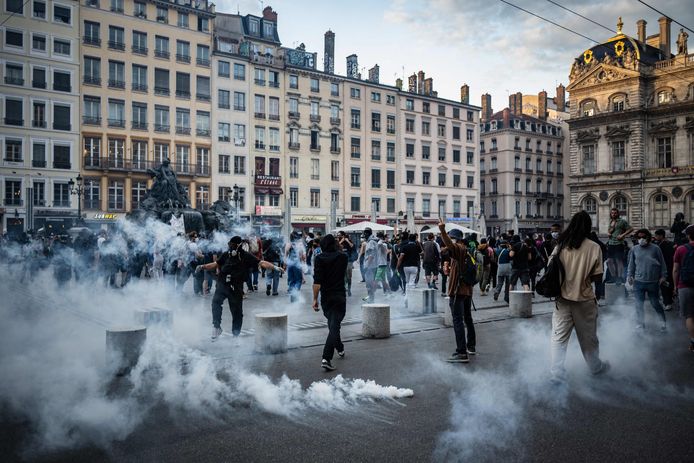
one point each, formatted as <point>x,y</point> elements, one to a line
<point>646,264</point>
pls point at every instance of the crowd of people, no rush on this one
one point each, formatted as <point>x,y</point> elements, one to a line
<point>454,263</point>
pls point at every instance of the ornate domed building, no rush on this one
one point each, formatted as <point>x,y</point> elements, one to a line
<point>632,129</point>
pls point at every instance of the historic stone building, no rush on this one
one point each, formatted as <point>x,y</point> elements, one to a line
<point>632,129</point>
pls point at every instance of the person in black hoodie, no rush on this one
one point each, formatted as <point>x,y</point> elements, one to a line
<point>329,271</point>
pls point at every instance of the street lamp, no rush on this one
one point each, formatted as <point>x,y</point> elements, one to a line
<point>235,198</point>
<point>77,189</point>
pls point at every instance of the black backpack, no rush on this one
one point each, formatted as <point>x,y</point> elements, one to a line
<point>687,268</point>
<point>549,285</point>
<point>468,271</point>
<point>233,271</point>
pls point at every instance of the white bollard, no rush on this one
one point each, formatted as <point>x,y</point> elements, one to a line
<point>154,317</point>
<point>375,320</point>
<point>421,301</point>
<point>124,345</point>
<point>520,304</point>
<point>271,333</point>
<point>614,293</point>
<point>447,315</point>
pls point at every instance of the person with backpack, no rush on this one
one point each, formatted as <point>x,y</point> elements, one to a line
<point>576,307</point>
<point>487,255</point>
<point>520,263</point>
<point>683,275</point>
<point>272,254</point>
<point>232,269</point>
<point>346,245</point>
<point>462,277</point>
<point>408,261</point>
<point>535,262</point>
<point>431,259</point>
<point>646,272</point>
<point>503,271</point>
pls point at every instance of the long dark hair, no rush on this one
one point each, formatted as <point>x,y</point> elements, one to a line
<point>578,230</point>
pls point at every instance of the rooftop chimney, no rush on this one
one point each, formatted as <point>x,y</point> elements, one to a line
<point>641,30</point>
<point>374,74</point>
<point>664,42</point>
<point>269,14</point>
<point>506,115</point>
<point>542,105</point>
<point>486,107</point>
<point>515,103</point>
<point>561,98</point>
<point>465,94</point>
<point>429,86</point>
<point>420,82</point>
<point>398,83</point>
<point>412,83</point>
<point>329,53</point>
<point>352,67</point>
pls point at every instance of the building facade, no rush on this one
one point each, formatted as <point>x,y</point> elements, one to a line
<point>632,129</point>
<point>522,170</point>
<point>146,97</point>
<point>39,95</point>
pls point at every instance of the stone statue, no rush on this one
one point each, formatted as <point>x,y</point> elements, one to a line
<point>628,58</point>
<point>166,191</point>
<point>682,42</point>
<point>620,24</point>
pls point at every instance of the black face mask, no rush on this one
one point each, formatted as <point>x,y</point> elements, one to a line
<point>233,250</point>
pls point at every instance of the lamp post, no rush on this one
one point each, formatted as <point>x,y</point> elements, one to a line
<point>77,189</point>
<point>235,198</point>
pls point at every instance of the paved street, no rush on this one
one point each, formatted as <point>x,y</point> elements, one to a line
<point>500,406</point>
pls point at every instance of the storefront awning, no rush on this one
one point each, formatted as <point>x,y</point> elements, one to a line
<point>261,190</point>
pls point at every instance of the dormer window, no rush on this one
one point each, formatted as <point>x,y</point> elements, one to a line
<point>588,108</point>
<point>618,104</point>
<point>663,97</point>
<point>493,125</point>
<point>268,30</point>
<point>253,26</point>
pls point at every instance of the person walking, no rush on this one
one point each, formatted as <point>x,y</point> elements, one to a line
<point>408,262</point>
<point>382,255</point>
<point>329,269</point>
<point>520,263</point>
<point>503,271</point>
<point>678,229</point>
<point>232,270</point>
<point>618,231</point>
<point>460,294</point>
<point>646,272</point>
<point>346,245</point>
<point>431,260</point>
<point>370,248</point>
<point>683,274</point>
<point>667,247</point>
<point>487,259</point>
<point>576,308</point>
<point>294,261</point>
<point>272,254</point>
<point>599,285</point>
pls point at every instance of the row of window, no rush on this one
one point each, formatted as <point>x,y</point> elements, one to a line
<point>315,197</point>
<point>61,47</point>
<point>660,209</point>
<point>61,82</point>
<point>62,13</point>
<point>161,13</point>
<point>538,146</point>
<point>442,150</point>
<point>528,189</point>
<point>442,179</point>
<point>425,211</point>
<point>538,209</point>
<point>442,109</point>
<point>355,121</point>
<point>355,150</point>
<point>528,168</point>
<point>519,124</point>
<point>618,162</point>
<point>440,130</point>
<point>39,193</point>
<point>15,116</point>
<point>40,152</point>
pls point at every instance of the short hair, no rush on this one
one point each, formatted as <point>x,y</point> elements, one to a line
<point>380,235</point>
<point>644,231</point>
<point>430,236</point>
<point>660,232</point>
<point>483,240</point>
<point>404,236</point>
<point>556,225</point>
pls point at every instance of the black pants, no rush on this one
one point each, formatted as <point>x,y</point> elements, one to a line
<point>334,308</point>
<point>462,318</point>
<point>666,291</point>
<point>235,299</point>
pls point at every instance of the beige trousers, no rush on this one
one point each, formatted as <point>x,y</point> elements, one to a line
<point>582,316</point>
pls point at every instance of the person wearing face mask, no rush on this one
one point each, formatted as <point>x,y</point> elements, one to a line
<point>618,230</point>
<point>232,271</point>
<point>647,271</point>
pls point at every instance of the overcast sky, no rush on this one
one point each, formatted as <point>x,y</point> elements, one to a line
<point>487,44</point>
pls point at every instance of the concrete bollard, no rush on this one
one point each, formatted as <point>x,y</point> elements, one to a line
<point>614,293</point>
<point>124,345</point>
<point>421,301</point>
<point>520,304</point>
<point>271,333</point>
<point>154,317</point>
<point>447,315</point>
<point>375,320</point>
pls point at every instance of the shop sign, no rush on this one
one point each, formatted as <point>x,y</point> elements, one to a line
<point>105,216</point>
<point>309,219</point>
<point>273,211</point>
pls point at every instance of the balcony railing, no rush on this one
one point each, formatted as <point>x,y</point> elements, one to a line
<point>259,115</point>
<point>38,163</point>
<point>182,130</point>
<point>238,107</point>
<point>202,97</point>
<point>118,123</point>
<point>259,145</point>
<point>314,118</point>
<point>224,106</point>
<point>162,128</point>
<point>202,132</point>
<point>61,165</point>
<point>91,80</point>
<point>203,62</point>
<point>162,91</point>
<point>41,84</point>
<point>91,120</point>
<point>335,150</point>
<point>139,87</point>
<point>315,148</point>
<point>335,121</point>
<point>92,162</point>
<point>139,125</point>
<point>294,145</point>
<point>14,80</point>
<point>61,126</point>
<point>260,82</point>
<point>138,50</point>
<point>38,124</point>
<point>61,88</point>
<point>115,45</point>
<point>273,117</point>
<point>294,114</point>
<point>183,94</point>
<point>202,170</point>
<point>89,40</point>
<point>162,54</point>
<point>116,83</point>
<point>273,83</point>
<point>182,58</point>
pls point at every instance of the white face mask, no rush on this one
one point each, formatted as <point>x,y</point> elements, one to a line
<point>555,235</point>
<point>643,241</point>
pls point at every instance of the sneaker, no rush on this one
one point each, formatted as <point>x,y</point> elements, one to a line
<point>268,288</point>
<point>483,293</point>
<point>471,351</point>
<point>458,358</point>
<point>433,285</point>
<point>602,303</point>
<point>349,293</point>
<point>341,354</point>
<point>326,365</point>
<point>216,333</point>
<point>496,297</point>
<point>604,368</point>
<point>255,287</point>
<point>275,294</point>
<point>668,307</point>
<point>365,298</point>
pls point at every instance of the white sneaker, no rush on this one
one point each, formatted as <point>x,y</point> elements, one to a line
<point>668,307</point>
<point>216,332</point>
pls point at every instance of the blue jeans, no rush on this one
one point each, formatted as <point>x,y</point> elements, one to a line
<point>653,290</point>
<point>272,278</point>
<point>294,280</point>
